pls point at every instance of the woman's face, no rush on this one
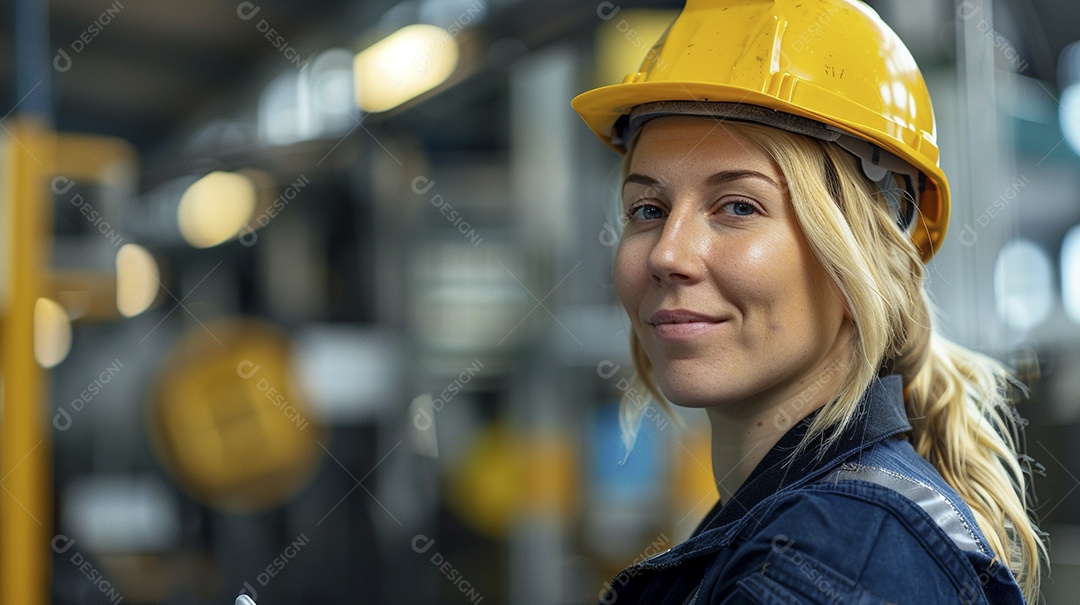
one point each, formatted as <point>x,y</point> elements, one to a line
<point>715,273</point>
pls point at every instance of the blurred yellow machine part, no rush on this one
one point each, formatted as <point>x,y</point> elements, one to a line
<point>485,490</point>
<point>693,485</point>
<point>508,474</point>
<point>227,420</point>
<point>27,157</point>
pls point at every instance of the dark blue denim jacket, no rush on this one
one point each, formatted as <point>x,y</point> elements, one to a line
<point>868,522</point>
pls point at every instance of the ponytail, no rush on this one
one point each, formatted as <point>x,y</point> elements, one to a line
<point>963,423</point>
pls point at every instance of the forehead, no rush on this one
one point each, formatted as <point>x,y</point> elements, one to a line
<point>689,142</point>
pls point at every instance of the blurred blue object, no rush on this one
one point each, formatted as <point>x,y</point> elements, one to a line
<point>638,477</point>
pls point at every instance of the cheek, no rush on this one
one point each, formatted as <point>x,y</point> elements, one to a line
<point>807,293</point>
<point>630,269</point>
<point>752,271</point>
<point>763,265</point>
<point>772,282</point>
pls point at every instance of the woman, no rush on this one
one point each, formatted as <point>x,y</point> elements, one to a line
<point>781,193</point>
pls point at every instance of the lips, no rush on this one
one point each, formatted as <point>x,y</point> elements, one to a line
<point>681,316</point>
<point>682,324</point>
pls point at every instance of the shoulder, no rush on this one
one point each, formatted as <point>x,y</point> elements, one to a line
<point>846,541</point>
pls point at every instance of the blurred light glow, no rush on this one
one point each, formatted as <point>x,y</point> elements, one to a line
<point>216,207</point>
<point>402,66</point>
<point>1069,104</point>
<point>349,373</point>
<point>1023,284</point>
<point>52,332</point>
<point>1069,114</point>
<point>331,83</point>
<point>122,513</point>
<point>1070,273</point>
<point>468,298</point>
<point>314,103</point>
<point>137,279</point>
<point>285,111</point>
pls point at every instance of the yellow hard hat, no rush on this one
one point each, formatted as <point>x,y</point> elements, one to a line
<point>831,69</point>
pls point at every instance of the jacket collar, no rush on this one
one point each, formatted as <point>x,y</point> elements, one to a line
<point>879,415</point>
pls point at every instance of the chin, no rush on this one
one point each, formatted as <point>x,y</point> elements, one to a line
<point>692,390</point>
<point>696,385</point>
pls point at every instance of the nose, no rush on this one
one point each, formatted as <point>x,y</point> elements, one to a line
<point>678,256</point>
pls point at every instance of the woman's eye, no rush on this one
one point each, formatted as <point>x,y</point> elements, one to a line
<point>740,208</point>
<point>645,212</point>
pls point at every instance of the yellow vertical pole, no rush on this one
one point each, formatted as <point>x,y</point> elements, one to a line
<point>26,161</point>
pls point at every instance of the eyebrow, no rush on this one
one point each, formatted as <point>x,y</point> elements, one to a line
<point>724,176</point>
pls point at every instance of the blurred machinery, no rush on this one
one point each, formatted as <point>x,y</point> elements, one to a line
<point>212,424</point>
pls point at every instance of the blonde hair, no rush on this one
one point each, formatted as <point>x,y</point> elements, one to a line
<point>958,401</point>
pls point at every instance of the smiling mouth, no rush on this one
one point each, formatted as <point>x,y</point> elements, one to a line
<point>679,317</point>
<point>681,325</point>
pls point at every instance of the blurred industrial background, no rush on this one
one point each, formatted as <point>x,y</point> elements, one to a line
<point>312,300</point>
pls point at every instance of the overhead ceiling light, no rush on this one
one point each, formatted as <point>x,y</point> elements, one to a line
<point>216,207</point>
<point>137,279</point>
<point>402,66</point>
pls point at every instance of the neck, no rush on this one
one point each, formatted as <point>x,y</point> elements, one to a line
<point>743,432</point>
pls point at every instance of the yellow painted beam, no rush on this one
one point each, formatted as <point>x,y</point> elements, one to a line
<point>103,160</point>
<point>27,159</point>
<point>97,158</point>
<point>84,294</point>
